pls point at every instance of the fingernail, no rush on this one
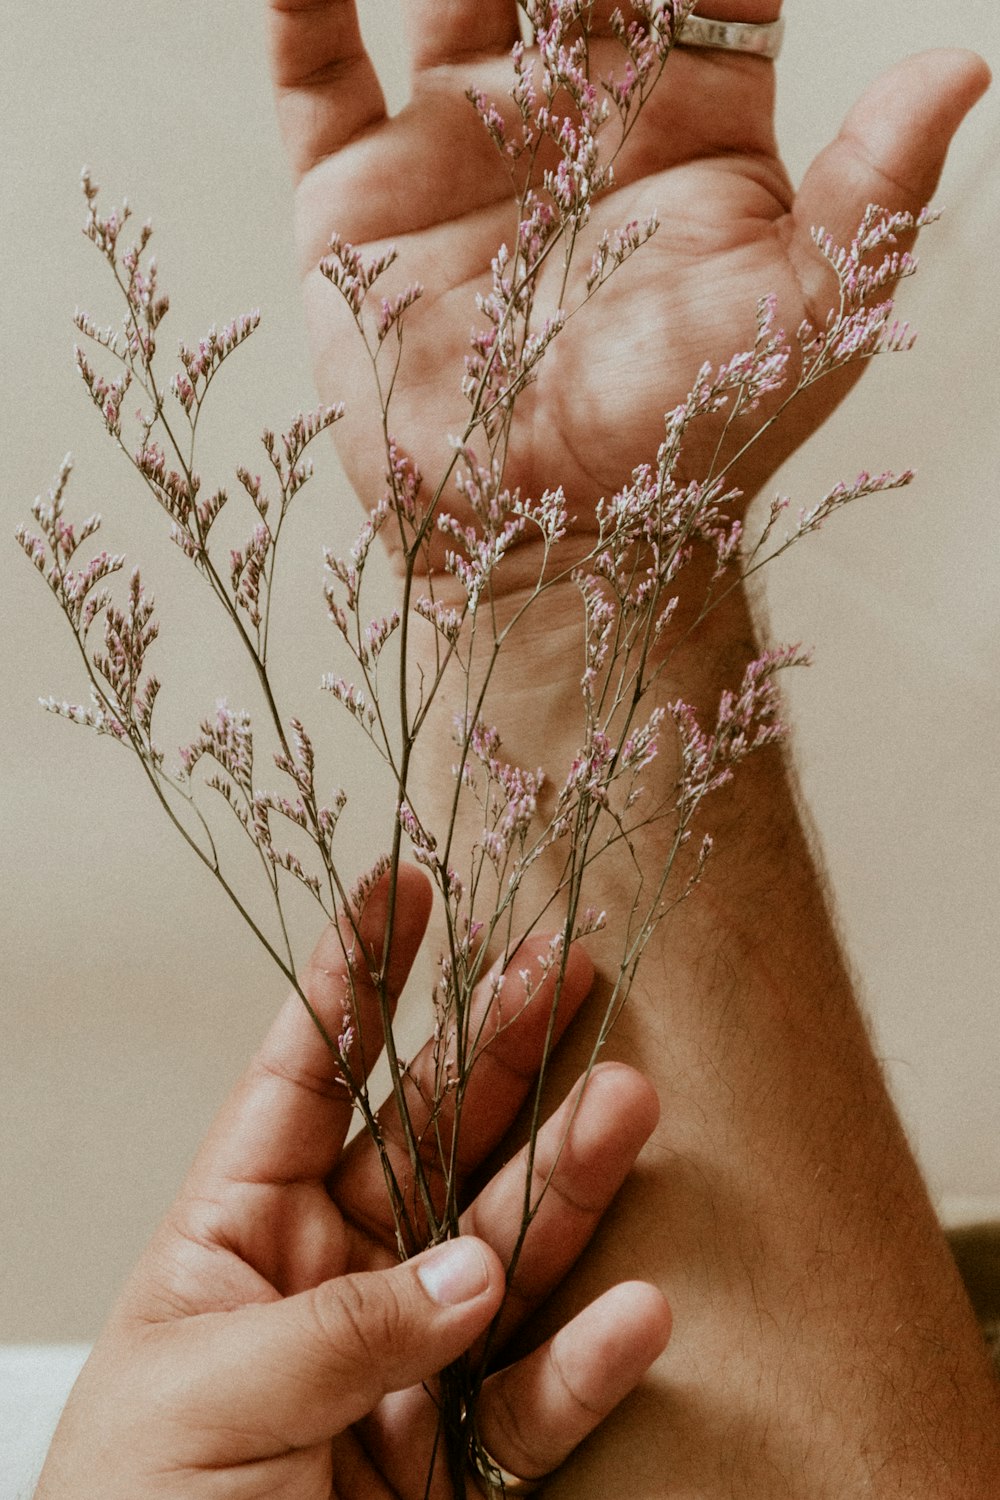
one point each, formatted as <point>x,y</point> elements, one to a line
<point>455,1272</point>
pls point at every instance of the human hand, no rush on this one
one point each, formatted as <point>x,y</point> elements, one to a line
<point>269,1343</point>
<point>703,157</point>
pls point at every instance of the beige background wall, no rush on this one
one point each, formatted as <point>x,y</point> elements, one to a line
<point>128,994</point>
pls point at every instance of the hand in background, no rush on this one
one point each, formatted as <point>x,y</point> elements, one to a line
<point>269,1344</point>
<point>703,157</point>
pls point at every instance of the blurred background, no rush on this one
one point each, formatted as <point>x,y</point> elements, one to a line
<point>130,996</point>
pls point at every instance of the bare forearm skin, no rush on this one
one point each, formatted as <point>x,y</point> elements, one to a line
<point>823,1345</point>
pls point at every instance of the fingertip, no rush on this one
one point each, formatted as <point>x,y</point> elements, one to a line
<point>959,76</point>
<point>538,951</point>
<point>651,1313</point>
<point>354,946</point>
<point>461,1272</point>
<point>537,979</point>
<point>975,71</point>
<point>611,1345</point>
<point>411,897</point>
<point>627,1097</point>
<point>644,1101</point>
<point>415,883</point>
<point>892,146</point>
<point>905,121</point>
<point>956,72</point>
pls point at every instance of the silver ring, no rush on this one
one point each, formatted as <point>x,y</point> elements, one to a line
<point>500,1482</point>
<point>760,38</point>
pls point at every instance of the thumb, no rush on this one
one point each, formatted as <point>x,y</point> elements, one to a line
<point>892,146</point>
<point>295,1372</point>
<point>890,151</point>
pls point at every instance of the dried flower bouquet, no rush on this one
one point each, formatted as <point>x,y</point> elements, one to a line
<point>639,573</point>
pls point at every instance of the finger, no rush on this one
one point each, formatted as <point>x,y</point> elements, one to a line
<point>325,84</point>
<point>616,1114</point>
<point>533,1414</point>
<point>889,151</point>
<point>891,148</point>
<point>356,1474</point>
<point>512,1028</point>
<point>298,1371</point>
<point>443,31</point>
<point>740,10</point>
<point>286,1119</point>
<point>582,1157</point>
<point>716,10</point>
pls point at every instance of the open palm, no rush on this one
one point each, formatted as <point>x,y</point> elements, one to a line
<point>703,158</point>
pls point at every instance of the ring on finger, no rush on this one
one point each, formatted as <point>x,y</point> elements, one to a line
<point>759,38</point>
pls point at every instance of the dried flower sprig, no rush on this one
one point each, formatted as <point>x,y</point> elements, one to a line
<point>559,133</point>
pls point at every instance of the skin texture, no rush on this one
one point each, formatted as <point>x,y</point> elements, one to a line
<point>268,1344</point>
<point>703,157</point>
<point>823,1347</point>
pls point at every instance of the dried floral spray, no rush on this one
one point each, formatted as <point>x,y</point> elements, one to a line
<point>629,583</point>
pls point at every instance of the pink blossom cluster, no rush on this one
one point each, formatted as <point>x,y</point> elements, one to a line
<point>862,323</point>
<point>746,720</point>
<point>200,363</point>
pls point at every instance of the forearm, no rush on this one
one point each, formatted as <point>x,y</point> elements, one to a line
<point>822,1343</point>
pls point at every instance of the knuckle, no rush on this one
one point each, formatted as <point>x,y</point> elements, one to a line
<point>573,1399</point>
<point>358,1322</point>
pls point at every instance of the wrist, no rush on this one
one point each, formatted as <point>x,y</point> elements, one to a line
<point>705,649</point>
<point>534,697</point>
